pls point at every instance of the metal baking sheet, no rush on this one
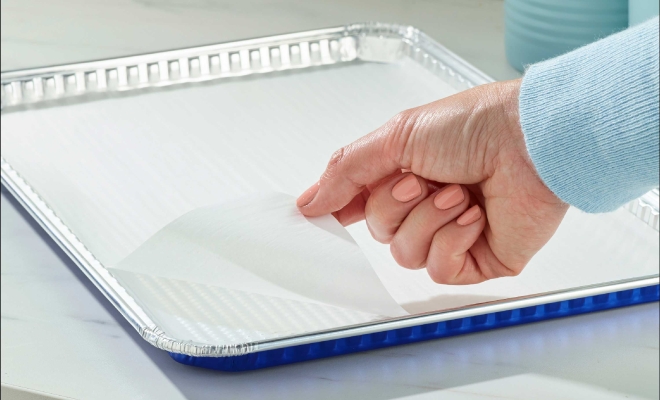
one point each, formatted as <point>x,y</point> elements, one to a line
<point>107,154</point>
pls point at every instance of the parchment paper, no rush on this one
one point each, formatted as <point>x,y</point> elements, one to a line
<point>121,170</point>
<point>261,244</point>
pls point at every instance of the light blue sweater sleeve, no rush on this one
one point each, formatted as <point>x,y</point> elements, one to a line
<point>590,119</point>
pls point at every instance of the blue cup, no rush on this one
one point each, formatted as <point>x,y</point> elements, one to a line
<point>537,30</point>
<point>642,10</point>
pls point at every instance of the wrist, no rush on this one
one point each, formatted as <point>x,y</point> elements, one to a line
<point>512,149</point>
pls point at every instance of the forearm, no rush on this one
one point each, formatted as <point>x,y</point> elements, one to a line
<point>590,120</point>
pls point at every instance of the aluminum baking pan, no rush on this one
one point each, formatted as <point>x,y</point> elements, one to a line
<point>50,88</point>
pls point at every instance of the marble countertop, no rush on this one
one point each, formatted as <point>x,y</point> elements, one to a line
<point>62,339</point>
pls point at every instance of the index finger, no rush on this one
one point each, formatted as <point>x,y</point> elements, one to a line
<point>367,160</point>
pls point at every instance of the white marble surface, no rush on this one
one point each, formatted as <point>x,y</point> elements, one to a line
<point>62,339</point>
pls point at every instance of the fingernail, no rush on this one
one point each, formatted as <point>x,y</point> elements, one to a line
<point>308,196</point>
<point>406,189</point>
<point>449,197</point>
<point>471,215</point>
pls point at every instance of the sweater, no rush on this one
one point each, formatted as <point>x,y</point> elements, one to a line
<point>590,119</point>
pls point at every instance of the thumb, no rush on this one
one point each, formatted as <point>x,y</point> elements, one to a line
<point>439,141</point>
<point>367,160</point>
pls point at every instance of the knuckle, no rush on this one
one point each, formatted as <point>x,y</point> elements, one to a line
<point>438,267</point>
<point>511,271</point>
<point>496,269</point>
<point>402,118</point>
<point>335,163</point>
<point>401,256</point>
<point>374,209</point>
<point>403,122</point>
<point>399,130</point>
<point>379,219</point>
<point>438,274</point>
<point>336,157</point>
<point>441,243</point>
<point>376,233</point>
<point>398,255</point>
<point>382,237</point>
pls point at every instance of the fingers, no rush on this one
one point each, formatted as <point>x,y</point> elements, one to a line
<point>452,139</point>
<point>354,210</point>
<point>490,266</point>
<point>442,232</point>
<point>450,260</point>
<point>390,203</point>
<point>411,244</point>
<point>365,161</point>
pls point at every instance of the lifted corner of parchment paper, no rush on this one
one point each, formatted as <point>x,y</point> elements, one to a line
<point>254,268</point>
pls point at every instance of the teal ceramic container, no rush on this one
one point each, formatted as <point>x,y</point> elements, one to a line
<point>540,29</point>
<point>642,10</point>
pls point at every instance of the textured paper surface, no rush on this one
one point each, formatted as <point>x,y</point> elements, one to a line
<point>262,244</point>
<point>253,269</point>
<point>119,170</point>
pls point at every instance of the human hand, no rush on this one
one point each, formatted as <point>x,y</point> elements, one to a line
<point>468,205</point>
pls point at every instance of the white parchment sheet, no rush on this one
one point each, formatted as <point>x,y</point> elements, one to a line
<point>186,195</point>
<point>270,262</point>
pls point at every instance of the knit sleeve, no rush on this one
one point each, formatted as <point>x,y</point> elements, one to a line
<point>590,119</point>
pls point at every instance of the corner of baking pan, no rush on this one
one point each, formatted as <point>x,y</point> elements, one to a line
<point>102,278</point>
<point>418,46</point>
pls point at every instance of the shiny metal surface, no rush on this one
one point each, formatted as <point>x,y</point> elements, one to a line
<point>367,42</point>
<point>359,42</point>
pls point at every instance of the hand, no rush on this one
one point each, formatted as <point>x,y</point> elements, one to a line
<point>449,185</point>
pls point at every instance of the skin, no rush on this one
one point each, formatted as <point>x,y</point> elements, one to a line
<point>473,139</point>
